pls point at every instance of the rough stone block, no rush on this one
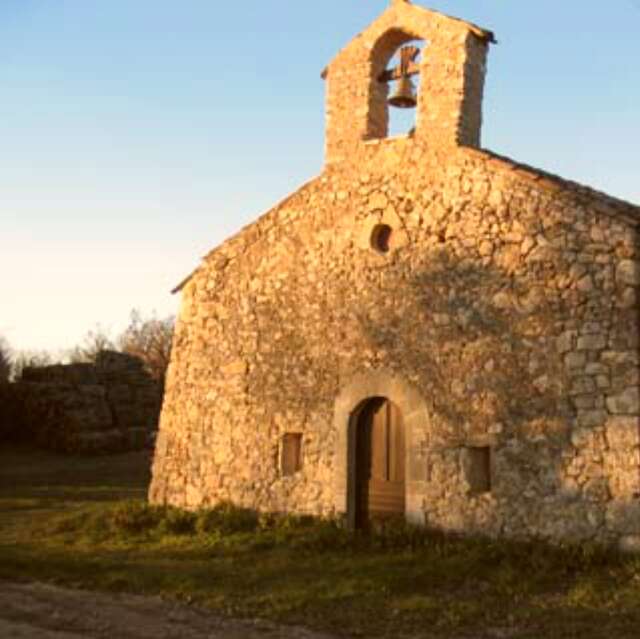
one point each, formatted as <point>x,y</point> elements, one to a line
<point>630,544</point>
<point>628,272</point>
<point>623,433</point>
<point>625,403</point>
<point>592,343</point>
<point>623,517</point>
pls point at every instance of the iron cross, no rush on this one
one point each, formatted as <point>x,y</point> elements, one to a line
<point>406,68</point>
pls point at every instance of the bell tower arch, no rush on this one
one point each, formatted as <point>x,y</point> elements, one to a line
<point>451,72</point>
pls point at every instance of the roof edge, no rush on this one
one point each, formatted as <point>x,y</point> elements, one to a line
<point>243,230</point>
<point>549,181</point>
<point>480,32</point>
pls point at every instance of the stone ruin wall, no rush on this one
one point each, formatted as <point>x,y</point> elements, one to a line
<point>508,300</point>
<point>110,406</point>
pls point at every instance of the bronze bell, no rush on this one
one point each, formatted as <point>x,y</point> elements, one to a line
<point>404,97</point>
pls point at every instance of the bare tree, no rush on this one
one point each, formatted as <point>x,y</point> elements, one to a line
<point>29,359</point>
<point>149,339</point>
<point>5,360</point>
<point>95,342</point>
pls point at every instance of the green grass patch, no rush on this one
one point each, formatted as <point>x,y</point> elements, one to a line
<point>83,522</point>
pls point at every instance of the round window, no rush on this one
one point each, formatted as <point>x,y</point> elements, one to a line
<point>381,238</point>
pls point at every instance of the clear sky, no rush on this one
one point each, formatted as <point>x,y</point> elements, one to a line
<point>137,134</point>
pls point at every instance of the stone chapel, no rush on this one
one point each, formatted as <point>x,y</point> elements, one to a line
<point>426,330</point>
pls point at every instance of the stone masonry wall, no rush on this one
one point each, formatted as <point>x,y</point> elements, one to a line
<point>504,315</point>
<point>112,405</point>
<point>508,300</point>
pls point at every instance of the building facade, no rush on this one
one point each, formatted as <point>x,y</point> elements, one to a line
<point>425,330</point>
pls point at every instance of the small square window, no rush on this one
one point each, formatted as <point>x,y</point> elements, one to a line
<point>291,454</point>
<point>476,466</point>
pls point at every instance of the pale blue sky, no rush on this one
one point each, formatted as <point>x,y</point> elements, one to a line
<point>138,134</point>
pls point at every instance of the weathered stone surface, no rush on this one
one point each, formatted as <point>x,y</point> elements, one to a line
<point>592,342</point>
<point>630,544</point>
<point>625,403</point>
<point>502,319</point>
<point>575,361</point>
<point>623,433</point>
<point>623,517</point>
<point>628,272</point>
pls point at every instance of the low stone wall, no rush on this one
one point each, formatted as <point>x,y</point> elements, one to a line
<point>112,405</point>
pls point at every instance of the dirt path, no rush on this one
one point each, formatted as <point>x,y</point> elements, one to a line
<point>39,611</point>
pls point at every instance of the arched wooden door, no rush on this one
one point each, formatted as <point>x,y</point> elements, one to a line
<point>380,455</point>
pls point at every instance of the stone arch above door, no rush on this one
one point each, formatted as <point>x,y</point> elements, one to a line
<point>416,419</point>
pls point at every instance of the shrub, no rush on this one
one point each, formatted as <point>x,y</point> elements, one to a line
<point>226,518</point>
<point>400,535</point>
<point>13,425</point>
<point>322,536</point>
<point>136,517</point>
<point>29,359</point>
<point>294,522</point>
<point>178,522</point>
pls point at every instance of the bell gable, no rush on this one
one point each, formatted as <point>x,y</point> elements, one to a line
<point>451,71</point>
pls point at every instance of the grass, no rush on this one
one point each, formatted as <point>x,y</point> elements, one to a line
<point>82,522</point>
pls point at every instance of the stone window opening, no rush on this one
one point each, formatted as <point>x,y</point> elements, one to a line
<point>476,467</point>
<point>291,454</point>
<point>381,238</point>
<point>396,80</point>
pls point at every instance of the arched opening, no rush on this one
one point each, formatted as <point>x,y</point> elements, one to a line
<point>403,119</point>
<point>395,84</point>
<point>347,413</point>
<point>379,460</point>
